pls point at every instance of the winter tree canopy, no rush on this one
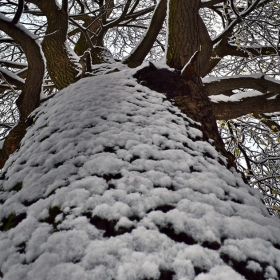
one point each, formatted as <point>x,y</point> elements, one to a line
<point>113,167</point>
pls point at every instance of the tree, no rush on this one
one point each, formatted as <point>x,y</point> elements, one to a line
<point>119,166</point>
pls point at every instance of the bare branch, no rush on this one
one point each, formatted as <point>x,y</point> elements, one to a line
<point>258,82</point>
<point>254,105</point>
<point>208,4</point>
<point>11,78</point>
<point>19,12</point>
<point>13,64</point>
<point>120,18</point>
<point>81,4</point>
<point>7,40</point>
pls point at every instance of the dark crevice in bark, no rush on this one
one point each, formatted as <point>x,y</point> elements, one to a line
<point>17,187</point>
<point>199,270</point>
<point>28,203</point>
<point>107,226</point>
<point>11,221</point>
<point>53,213</point>
<point>162,208</point>
<point>166,274</point>
<point>211,245</point>
<point>241,267</point>
<point>181,237</point>
<point>21,247</point>
<point>109,177</point>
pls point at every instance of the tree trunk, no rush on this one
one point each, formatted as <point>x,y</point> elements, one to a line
<point>183,32</point>
<point>188,34</point>
<point>191,99</point>
<point>117,183</point>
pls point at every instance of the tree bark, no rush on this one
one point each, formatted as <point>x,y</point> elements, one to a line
<point>12,142</point>
<point>61,66</point>
<point>29,98</point>
<point>140,196</point>
<point>183,32</point>
<point>184,26</point>
<point>190,97</point>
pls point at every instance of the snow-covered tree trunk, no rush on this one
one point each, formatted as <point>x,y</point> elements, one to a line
<point>113,181</point>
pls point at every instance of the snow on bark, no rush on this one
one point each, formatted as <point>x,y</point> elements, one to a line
<point>113,182</point>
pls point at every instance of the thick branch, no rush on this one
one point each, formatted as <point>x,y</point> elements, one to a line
<point>30,96</point>
<point>255,105</point>
<point>208,4</point>
<point>61,67</point>
<point>206,46</point>
<point>266,103</point>
<point>245,51</point>
<point>223,48</point>
<point>140,52</point>
<point>18,12</point>
<point>258,82</point>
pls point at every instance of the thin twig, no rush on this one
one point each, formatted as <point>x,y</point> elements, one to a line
<point>10,86</point>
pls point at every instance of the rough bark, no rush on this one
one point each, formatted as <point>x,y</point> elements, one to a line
<point>206,48</point>
<point>29,98</point>
<point>189,96</point>
<point>184,27</point>
<point>258,82</point>
<point>256,104</point>
<point>183,32</point>
<point>12,142</point>
<point>61,67</point>
<point>186,215</point>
